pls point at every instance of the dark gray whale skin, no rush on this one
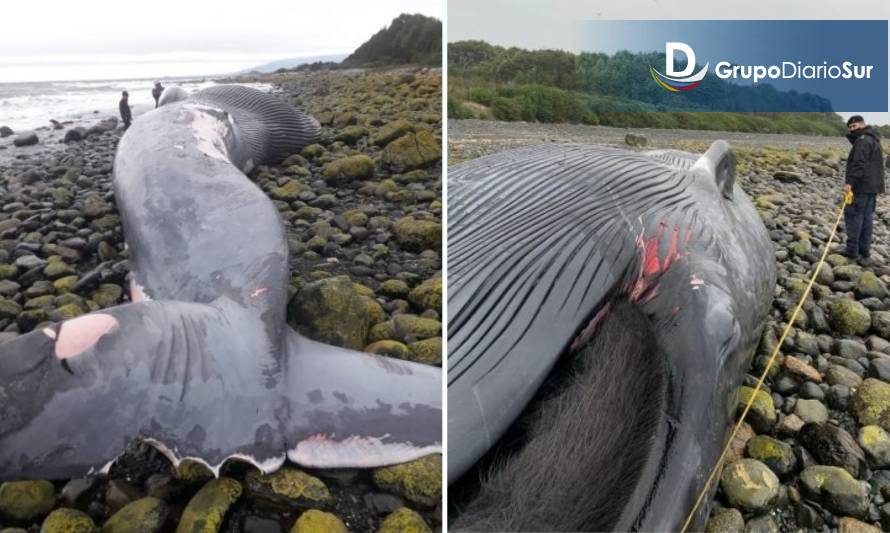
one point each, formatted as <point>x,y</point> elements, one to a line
<point>542,239</point>
<point>202,364</point>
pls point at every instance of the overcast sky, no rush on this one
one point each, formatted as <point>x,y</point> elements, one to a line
<point>552,23</point>
<point>202,32</point>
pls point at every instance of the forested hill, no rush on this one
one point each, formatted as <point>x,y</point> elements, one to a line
<point>413,39</point>
<point>559,86</point>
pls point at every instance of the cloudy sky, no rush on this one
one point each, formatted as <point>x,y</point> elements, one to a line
<point>552,23</point>
<point>81,38</point>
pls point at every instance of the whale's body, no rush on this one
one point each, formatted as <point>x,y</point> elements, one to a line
<point>202,363</point>
<point>548,243</point>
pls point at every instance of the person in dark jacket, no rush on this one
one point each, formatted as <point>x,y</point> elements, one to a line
<point>865,178</point>
<point>124,105</point>
<point>156,92</point>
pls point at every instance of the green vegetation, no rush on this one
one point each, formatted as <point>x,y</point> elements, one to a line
<point>408,39</point>
<point>487,81</point>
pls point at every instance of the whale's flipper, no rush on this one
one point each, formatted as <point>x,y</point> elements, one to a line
<point>73,395</point>
<point>353,409</point>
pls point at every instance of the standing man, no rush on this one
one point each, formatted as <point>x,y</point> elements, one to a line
<point>156,92</point>
<point>124,106</point>
<point>865,177</point>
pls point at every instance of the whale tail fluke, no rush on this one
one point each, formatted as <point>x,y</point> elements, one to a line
<point>354,409</point>
<point>204,382</point>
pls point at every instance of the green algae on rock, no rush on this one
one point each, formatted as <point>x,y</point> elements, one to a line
<point>25,501</point>
<point>66,520</point>
<point>419,481</point>
<point>145,515</point>
<point>315,521</point>
<point>404,520</point>
<point>207,509</point>
<point>287,488</point>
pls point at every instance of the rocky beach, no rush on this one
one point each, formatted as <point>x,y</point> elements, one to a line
<point>362,210</point>
<point>814,452</point>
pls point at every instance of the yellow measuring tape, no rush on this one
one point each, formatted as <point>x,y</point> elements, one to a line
<point>848,199</point>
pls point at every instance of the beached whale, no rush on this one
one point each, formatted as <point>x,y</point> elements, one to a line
<point>202,364</point>
<point>640,284</point>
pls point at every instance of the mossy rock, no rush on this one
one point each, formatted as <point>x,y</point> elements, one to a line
<point>192,472</point>
<point>40,302</point>
<point>386,187</point>
<point>871,403</point>
<point>333,311</point>
<point>207,509</point>
<point>418,481</point>
<point>801,248</point>
<point>68,521</point>
<point>65,284</point>
<point>356,217</point>
<point>394,288</point>
<point>391,131</point>
<point>288,192</point>
<point>107,222</point>
<point>427,295</point>
<point>777,455</point>
<point>9,309</point>
<point>351,134</point>
<point>107,295</point>
<point>762,415</point>
<point>389,348</point>
<point>412,150</point>
<point>418,235</point>
<point>428,351</point>
<point>313,151</point>
<point>404,520</point>
<point>839,491</point>
<point>847,272</point>
<point>8,271</point>
<point>25,501</point>
<point>869,285</point>
<point>348,169</point>
<point>749,484</point>
<point>315,521</point>
<point>414,328</point>
<point>876,444</point>
<point>726,520</point>
<point>58,269</point>
<point>287,488</point>
<point>67,312</point>
<point>848,317</point>
<point>145,515</point>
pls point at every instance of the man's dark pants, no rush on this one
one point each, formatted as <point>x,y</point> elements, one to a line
<point>858,219</point>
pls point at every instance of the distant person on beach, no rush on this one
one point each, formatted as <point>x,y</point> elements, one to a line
<point>156,92</point>
<point>126,114</point>
<point>865,178</point>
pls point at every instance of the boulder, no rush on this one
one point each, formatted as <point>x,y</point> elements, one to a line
<point>26,139</point>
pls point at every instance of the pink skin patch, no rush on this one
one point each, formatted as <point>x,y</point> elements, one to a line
<point>82,333</point>
<point>259,292</point>
<point>137,294</point>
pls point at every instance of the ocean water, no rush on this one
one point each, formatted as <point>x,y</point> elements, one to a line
<point>31,105</point>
